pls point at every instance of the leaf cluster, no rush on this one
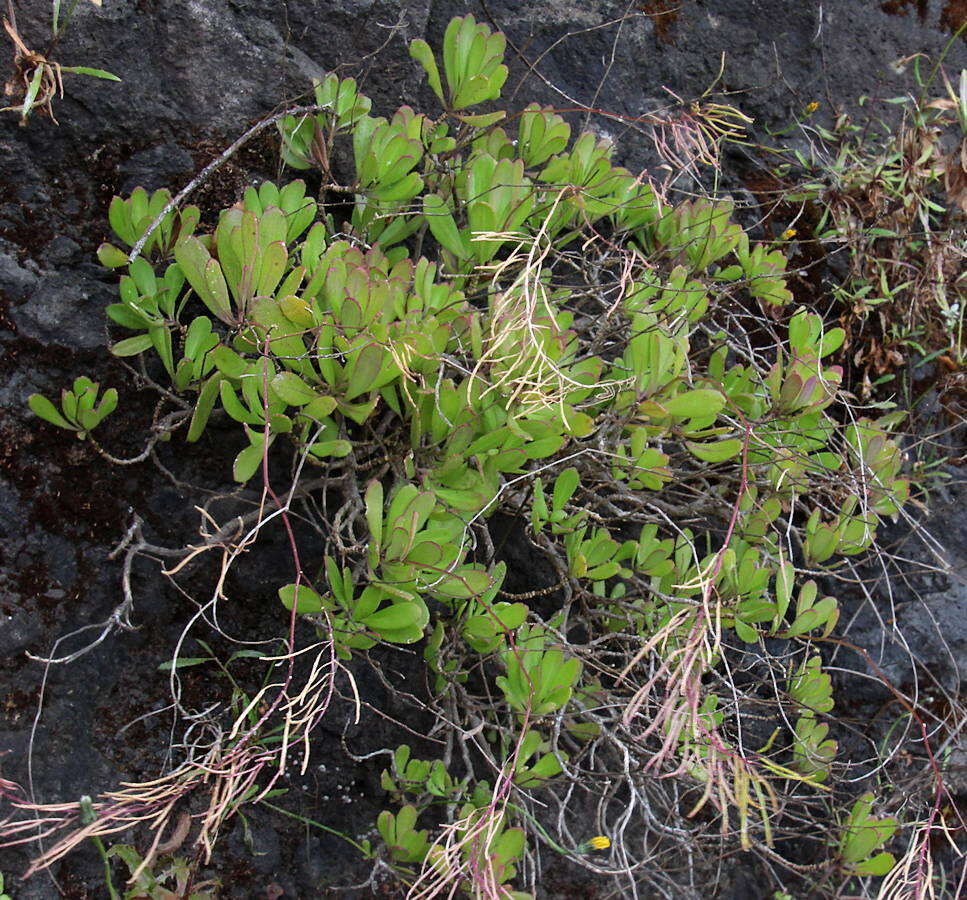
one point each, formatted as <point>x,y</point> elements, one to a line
<point>677,481</point>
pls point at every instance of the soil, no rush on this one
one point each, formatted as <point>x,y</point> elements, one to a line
<point>196,73</point>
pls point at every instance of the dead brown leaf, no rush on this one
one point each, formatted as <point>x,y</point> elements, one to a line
<point>955,176</point>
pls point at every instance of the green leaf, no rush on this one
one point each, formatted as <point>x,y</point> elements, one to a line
<point>443,227</point>
<point>564,487</point>
<point>366,369</point>
<point>701,403</point>
<point>46,410</point>
<point>127,317</point>
<point>119,215</point>
<point>183,662</point>
<point>161,339</point>
<point>309,600</point>
<point>247,462</point>
<point>228,362</point>
<point>510,844</point>
<point>784,583</point>
<point>401,623</point>
<point>746,632</point>
<point>111,257</point>
<point>374,512</point>
<point>32,89</point>
<point>337,449</point>
<point>132,346</point>
<point>807,621</point>
<point>467,581</point>
<point>108,404</point>
<point>274,260</point>
<point>401,191</point>
<point>292,389</point>
<point>319,407</point>
<point>877,865</point>
<point>716,452</point>
<point>831,342</point>
<point>203,407</point>
<point>205,277</point>
<point>421,52</point>
<point>199,332</point>
<point>483,120</point>
<point>87,70</point>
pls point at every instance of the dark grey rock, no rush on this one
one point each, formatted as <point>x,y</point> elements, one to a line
<point>16,282</point>
<point>261,840</point>
<point>62,250</point>
<point>923,643</point>
<point>67,309</point>
<point>59,556</point>
<point>156,167</point>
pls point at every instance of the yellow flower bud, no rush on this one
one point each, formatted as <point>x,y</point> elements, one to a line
<point>811,108</point>
<point>600,842</point>
<point>789,234</point>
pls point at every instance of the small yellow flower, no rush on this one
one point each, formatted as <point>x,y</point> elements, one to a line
<point>599,842</point>
<point>789,234</point>
<point>811,108</point>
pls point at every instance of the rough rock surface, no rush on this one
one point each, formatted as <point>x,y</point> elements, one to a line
<point>195,74</point>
